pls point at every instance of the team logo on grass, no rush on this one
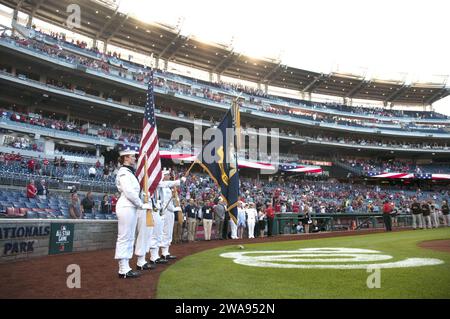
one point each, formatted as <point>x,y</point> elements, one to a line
<point>325,258</point>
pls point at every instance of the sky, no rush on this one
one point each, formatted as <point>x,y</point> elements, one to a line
<point>381,39</point>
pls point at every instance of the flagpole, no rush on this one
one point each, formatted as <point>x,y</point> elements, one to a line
<point>149,217</point>
<point>190,167</point>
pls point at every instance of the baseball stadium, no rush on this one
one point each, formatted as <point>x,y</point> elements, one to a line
<point>119,180</point>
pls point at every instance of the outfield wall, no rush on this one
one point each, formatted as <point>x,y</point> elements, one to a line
<point>26,238</point>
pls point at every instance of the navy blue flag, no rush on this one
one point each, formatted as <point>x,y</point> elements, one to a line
<point>219,159</point>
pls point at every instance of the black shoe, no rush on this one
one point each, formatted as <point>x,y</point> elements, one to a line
<point>130,274</point>
<point>159,261</point>
<point>168,257</point>
<point>147,266</point>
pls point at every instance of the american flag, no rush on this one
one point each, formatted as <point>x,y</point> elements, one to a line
<point>424,176</point>
<point>149,147</point>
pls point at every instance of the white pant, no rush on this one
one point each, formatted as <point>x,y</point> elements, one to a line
<point>251,228</point>
<point>144,234</point>
<point>233,227</point>
<point>207,224</point>
<point>127,219</point>
<point>156,238</point>
<point>434,219</point>
<point>427,222</point>
<point>167,234</point>
<point>447,217</point>
<point>417,218</point>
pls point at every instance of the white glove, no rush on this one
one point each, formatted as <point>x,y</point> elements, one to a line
<point>183,179</point>
<point>147,206</point>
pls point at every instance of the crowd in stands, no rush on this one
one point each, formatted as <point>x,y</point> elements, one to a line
<point>119,135</point>
<point>23,143</point>
<point>108,62</point>
<point>92,129</point>
<point>395,166</point>
<point>307,197</point>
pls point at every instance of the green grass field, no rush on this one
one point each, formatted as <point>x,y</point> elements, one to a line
<point>208,275</point>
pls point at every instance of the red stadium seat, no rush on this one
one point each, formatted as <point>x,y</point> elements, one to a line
<point>23,212</point>
<point>10,211</point>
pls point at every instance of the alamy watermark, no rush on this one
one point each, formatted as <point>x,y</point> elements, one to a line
<point>374,279</point>
<point>74,279</point>
<point>74,19</point>
<point>260,142</point>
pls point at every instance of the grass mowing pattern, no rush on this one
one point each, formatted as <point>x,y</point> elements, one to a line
<point>207,275</point>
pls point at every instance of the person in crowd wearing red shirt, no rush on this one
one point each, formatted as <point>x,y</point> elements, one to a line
<point>270,217</point>
<point>277,206</point>
<point>31,165</point>
<point>387,219</point>
<point>114,200</point>
<point>31,190</point>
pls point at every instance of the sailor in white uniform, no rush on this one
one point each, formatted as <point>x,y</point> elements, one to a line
<point>163,230</point>
<point>127,209</point>
<point>252,215</point>
<point>169,209</point>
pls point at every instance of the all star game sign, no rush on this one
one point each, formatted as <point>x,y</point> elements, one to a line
<point>61,238</point>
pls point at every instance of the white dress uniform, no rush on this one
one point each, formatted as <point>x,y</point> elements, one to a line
<point>165,195</point>
<point>144,233</point>
<point>127,209</point>
<point>233,228</point>
<point>251,220</point>
<point>156,234</point>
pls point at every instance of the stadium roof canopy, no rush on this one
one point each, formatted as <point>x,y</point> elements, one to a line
<point>102,20</point>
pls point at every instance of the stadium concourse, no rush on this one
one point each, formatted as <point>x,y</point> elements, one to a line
<point>348,146</point>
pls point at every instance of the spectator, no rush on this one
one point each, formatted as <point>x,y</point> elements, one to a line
<point>299,228</point>
<point>76,167</point>
<point>105,172</point>
<point>315,227</point>
<point>88,204</point>
<point>387,219</point>
<point>97,164</point>
<point>416,214</point>
<point>31,164</point>
<point>306,220</point>
<point>207,215</point>
<point>241,220</point>
<point>92,172</point>
<point>42,189</point>
<point>219,215</point>
<point>114,200</point>
<point>262,221</point>
<point>31,190</point>
<point>75,209</point>
<point>270,217</point>
<point>426,215</point>
<point>445,212</point>
<point>191,214</point>
<point>105,207</point>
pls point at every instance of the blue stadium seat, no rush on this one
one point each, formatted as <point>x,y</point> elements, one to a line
<point>41,205</point>
<point>31,214</point>
<point>100,216</point>
<point>88,216</point>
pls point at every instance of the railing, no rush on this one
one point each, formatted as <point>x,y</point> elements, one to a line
<point>338,221</point>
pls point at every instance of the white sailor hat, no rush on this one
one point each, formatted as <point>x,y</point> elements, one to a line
<point>165,171</point>
<point>128,150</point>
